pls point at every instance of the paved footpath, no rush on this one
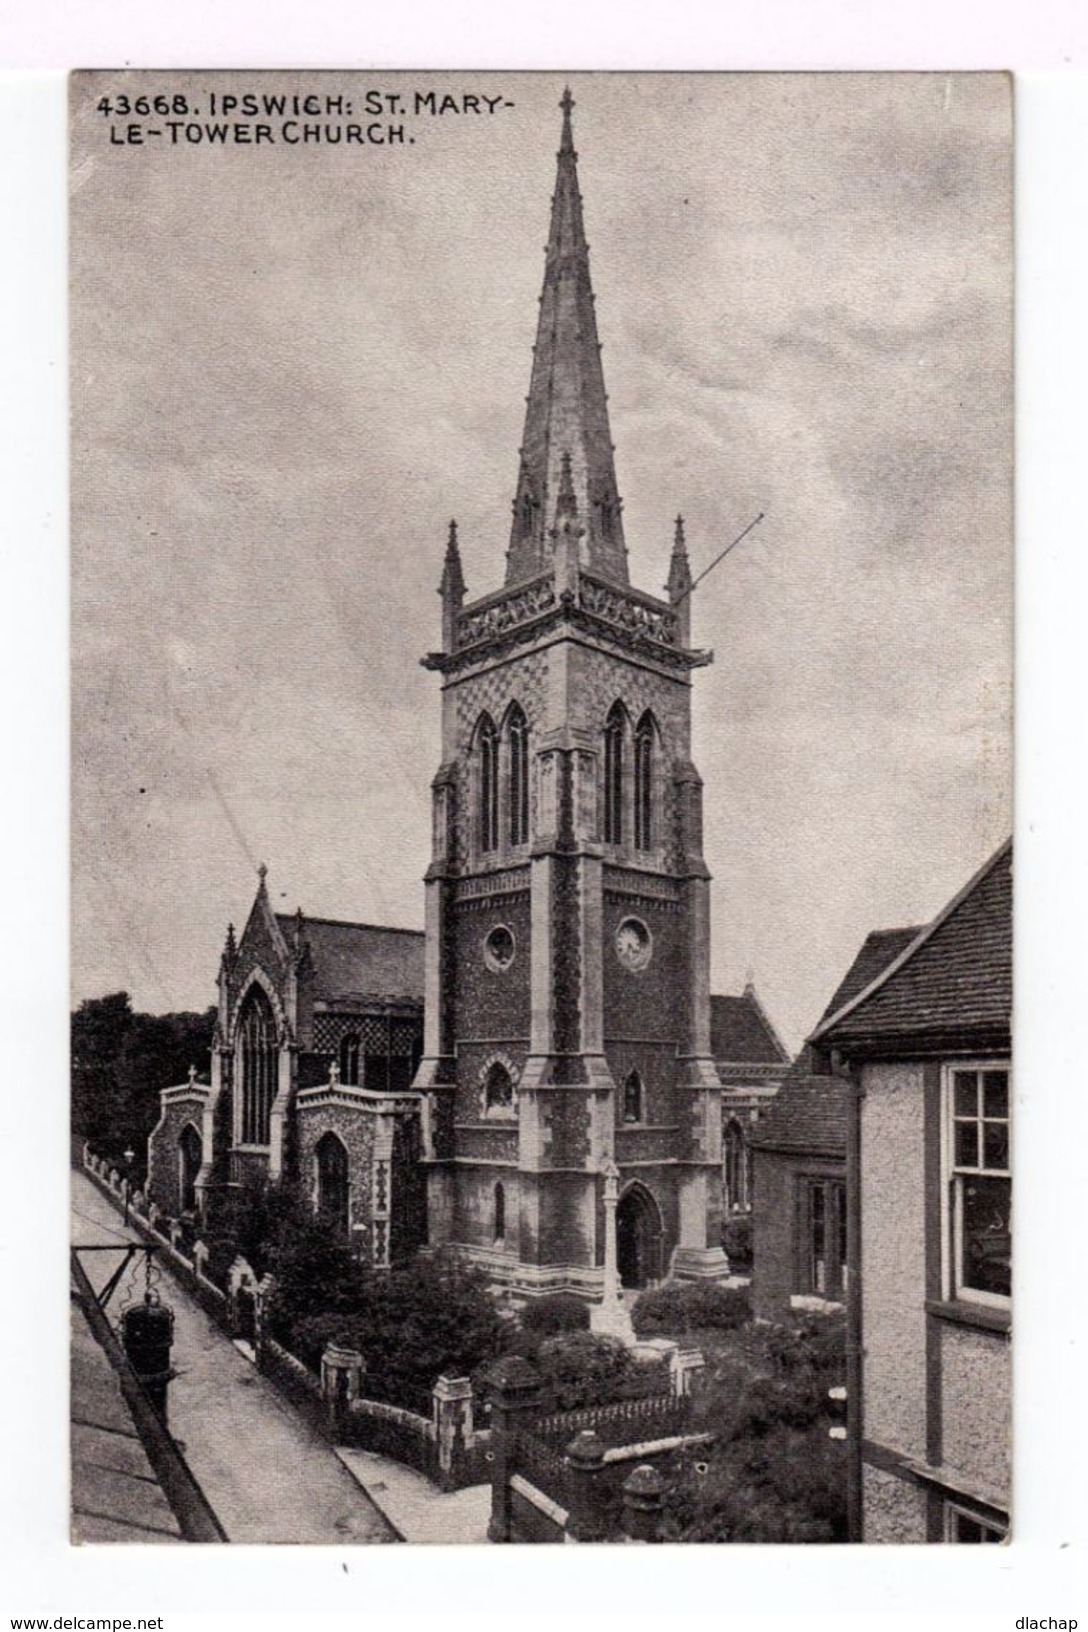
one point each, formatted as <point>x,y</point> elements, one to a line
<point>416,1510</point>
<point>267,1474</point>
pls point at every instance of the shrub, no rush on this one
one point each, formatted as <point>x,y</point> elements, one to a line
<point>314,1275</point>
<point>682,1308</point>
<point>411,1324</point>
<point>564,1312</point>
<point>737,1241</point>
<point>580,1369</point>
<point>773,1474</point>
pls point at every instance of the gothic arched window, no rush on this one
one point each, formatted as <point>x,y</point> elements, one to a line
<point>331,1161</point>
<point>190,1158</point>
<point>258,1057</point>
<point>349,1059</point>
<point>517,732</point>
<point>500,1213</point>
<point>614,732</point>
<point>498,1090</point>
<point>736,1168</point>
<point>644,783</point>
<point>632,1098</point>
<point>487,739</point>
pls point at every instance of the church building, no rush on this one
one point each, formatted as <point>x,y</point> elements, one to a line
<point>475,1086</point>
<point>567,999</point>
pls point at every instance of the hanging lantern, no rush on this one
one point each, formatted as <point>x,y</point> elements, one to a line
<point>147,1335</point>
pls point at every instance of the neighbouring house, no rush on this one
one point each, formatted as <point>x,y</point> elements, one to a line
<point>752,1061</point>
<point>318,1036</point>
<point>799,1168</point>
<point>923,1052</point>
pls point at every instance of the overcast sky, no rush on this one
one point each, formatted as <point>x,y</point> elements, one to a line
<point>292,366</point>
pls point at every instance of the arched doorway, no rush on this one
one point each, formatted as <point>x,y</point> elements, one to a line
<point>190,1158</point>
<point>639,1235</point>
<point>332,1183</point>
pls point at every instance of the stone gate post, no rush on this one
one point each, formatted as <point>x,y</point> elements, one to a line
<point>515,1396</point>
<point>341,1382</point>
<point>454,1428</point>
<point>643,1504</point>
<point>585,1462</point>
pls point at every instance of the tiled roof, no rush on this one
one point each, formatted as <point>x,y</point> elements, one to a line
<point>358,959</point>
<point>954,980</point>
<point>741,1034</point>
<point>807,1114</point>
<point>879,949</point>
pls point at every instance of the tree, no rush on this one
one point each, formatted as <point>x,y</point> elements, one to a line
<point>122,1060</point>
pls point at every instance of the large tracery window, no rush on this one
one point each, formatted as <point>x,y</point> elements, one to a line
<point>517,731</point>
<point>258,1056</point>
<point>644,785</point>
<point>613,775</point>
<point>487,739</point>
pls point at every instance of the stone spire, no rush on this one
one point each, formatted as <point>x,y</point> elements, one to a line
<point>567,408</point>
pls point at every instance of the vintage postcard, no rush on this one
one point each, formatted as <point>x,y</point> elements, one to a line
<point>541,875</point>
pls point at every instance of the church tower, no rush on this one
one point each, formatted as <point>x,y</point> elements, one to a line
<point>567,1028</point>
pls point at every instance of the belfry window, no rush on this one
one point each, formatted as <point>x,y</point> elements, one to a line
<point>613,776</point>
<point>518,738</point>
<point>488,743</point>
<point>498,1091</point>
<point>644,783</point>
<point>258,1056</point>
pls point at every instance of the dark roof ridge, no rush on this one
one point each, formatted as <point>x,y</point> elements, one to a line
<point>349,923</point>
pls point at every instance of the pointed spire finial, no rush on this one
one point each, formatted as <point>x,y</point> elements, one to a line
<point>678,587</point>
<point>192,1073</point>
<point>451,589</point>
<point>566,102</point>
<point>262,874</point>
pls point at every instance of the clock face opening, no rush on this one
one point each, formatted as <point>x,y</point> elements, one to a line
<point>634,944</point>
<point>499,948</point>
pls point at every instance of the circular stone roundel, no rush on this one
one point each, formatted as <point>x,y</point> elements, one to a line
<point>499,948</point>
<point>634,944</point>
